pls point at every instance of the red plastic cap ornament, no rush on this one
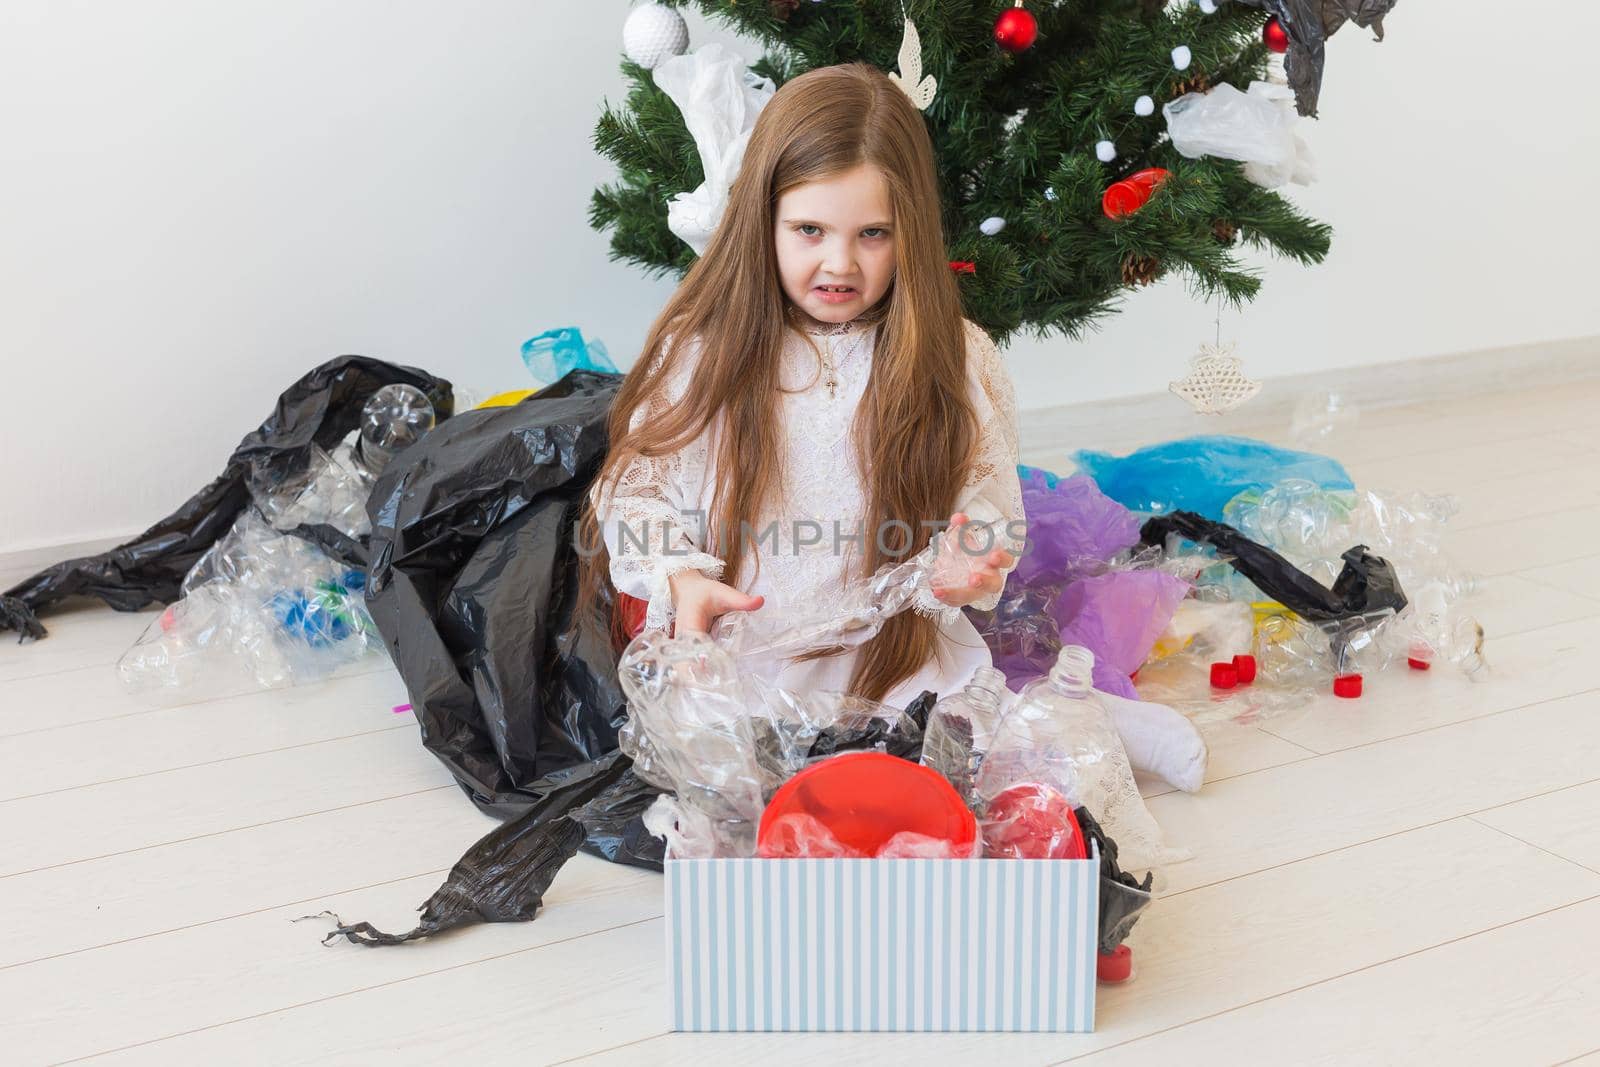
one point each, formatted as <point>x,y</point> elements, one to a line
<point>1418,664</point>
<point>1274,36</point>
<point>1132,193</point>
<point>863,799</point>
<point>1031,821</point>
<point>1016,29</point>
<point>1347,686</point>
<point>1114,966</point>
<point>1121,199</point>
<point>1224,676</point>
<point>1246,666</point>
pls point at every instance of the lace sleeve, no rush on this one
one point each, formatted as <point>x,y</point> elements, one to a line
<point>649,522</point>
<point>993,492</point>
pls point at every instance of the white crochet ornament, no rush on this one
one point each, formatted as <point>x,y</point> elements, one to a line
<point>652,33</point>
<point>910,80</point>
<point>1216,383</point>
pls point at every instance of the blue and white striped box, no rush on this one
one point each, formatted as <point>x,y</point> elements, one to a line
<point>882,944</point>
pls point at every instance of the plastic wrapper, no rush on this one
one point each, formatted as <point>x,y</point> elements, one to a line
<point>270,602</point>
<point>317,412</point>
<point>719,97</point>
<point>331,490</point>
<point>1308,525</point>
<point>1118,616</point>
<point>554,354</point>
<point>1073,529</point>
<point>1434,630</point>
<point>691,720</point>
<point>1311,526</point>
<point>1074,532</point>
<point>1255,127</point>
<point>722,740</point>
<point>1215,630</point>
<point>1059,736</point>
<point>1201,474</point>
<point>855,614</point>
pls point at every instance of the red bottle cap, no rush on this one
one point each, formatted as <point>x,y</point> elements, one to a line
<point>1114,966</point>
<point>1347,686</point>
<point>1418,664</point>
<point>1224,676</point>
<point>1123,198</point>
<point>1246,666</point>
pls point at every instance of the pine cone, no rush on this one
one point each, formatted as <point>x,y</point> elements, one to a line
<point>1197,82</point>
<point>782,9</point>
<point>1140,270</point>
<point>1224,231</point>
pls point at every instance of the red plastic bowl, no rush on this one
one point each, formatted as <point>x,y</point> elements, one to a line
<point>864,799</point>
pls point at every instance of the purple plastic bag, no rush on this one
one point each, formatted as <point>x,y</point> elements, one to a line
<point>1073,530</point>
<point>1072,527</point>
<point>1118,616</point>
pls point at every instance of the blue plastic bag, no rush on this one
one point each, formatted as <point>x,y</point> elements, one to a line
<point>553,354</point>
<point>1202,474</point>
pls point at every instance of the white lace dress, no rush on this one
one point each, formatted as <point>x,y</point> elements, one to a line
<point>666,498</point>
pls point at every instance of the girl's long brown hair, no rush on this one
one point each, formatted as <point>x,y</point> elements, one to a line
<point>914,433</point>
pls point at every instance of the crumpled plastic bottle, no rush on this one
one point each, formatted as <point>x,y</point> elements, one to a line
<point>957,721</point>
<point>1059,737</point>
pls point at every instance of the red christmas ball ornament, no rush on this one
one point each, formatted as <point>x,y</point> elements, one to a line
<point>1016,29</point>
<point>1274,36</point>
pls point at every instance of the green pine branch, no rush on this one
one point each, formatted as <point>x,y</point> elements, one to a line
<point>1014,137</point>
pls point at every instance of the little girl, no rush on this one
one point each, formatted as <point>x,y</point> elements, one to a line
<point>811,405</point>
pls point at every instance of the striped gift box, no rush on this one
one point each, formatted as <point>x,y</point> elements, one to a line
<point>882,944</point>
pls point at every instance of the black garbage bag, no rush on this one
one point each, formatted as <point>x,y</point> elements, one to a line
<point>504,876</point>
<point>318,410</point>
<point>473,581</point>
<point>599,806</point>
<point>1367,583</point>
<point>1122,896</point>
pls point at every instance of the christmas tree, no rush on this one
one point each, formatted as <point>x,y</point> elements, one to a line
<point>1039,111</point>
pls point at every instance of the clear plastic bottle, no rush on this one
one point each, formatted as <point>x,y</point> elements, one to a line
<point>956,722</point>
<point>1060,739</point>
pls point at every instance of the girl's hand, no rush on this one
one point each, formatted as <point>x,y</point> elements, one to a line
<point>699,601</point>
<point>961,555</point>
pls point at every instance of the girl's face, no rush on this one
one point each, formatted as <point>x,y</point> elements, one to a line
<point>835,243</point>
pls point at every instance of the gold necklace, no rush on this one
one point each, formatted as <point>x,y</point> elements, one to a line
<point>832,368</point>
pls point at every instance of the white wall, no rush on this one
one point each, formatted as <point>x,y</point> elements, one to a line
<point>201,200</point>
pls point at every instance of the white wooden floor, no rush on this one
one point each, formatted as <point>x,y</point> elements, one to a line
<point>1412,877</point>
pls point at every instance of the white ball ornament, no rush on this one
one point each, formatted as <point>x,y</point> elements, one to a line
<point>1182,57</point>
<point>1207,6</point>
<point>1105,151</point>
<point>1144,106</point>
<point>992,225</point>
<point>653,33</point>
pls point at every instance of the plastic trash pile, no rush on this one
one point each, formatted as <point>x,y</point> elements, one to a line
<point>1231,579</point>
<point>264,600</point>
